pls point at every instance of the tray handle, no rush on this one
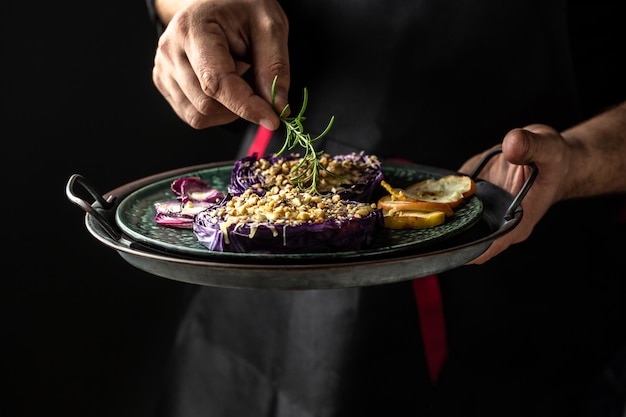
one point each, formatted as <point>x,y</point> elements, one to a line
<point>515,204</point>
<point>100,202</point>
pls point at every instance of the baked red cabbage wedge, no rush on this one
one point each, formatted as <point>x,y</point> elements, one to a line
<point>287,221</point>
<point>192,196</point>
<point>354,176</point>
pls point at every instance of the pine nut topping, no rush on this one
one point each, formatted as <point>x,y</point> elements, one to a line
<point>336,175</point>
<point>289,207</point>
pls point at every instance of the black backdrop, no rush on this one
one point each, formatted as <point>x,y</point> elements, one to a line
<point>84,333</point>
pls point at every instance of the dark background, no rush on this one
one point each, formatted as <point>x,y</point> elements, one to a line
<point>83,332</point>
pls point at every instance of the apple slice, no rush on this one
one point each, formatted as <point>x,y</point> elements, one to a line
<point>413,219</point>
<point>389,203</point>
<point>451,189</point>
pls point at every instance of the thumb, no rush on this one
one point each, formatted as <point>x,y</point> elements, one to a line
<point>523,146</point>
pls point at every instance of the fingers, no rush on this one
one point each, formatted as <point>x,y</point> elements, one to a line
<point>544,147</point>
<point>497,247</point>
<point>218,79</point>
<point>177,82</point>
<point>270,54</point>
<point>206,53</point>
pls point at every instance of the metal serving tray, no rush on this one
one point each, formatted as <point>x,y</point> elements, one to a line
<point>122,219</point>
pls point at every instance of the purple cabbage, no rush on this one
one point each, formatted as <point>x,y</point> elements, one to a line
<point>196,190</point>
<point>193,195</point>
<point>246,175</point>
<point>177,214</point>
<point>266,238</point>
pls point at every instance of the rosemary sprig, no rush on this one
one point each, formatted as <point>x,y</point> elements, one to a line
<point>307,171</point>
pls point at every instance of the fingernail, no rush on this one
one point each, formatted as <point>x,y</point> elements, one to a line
<point>267,123</point>
<point>280,101</point>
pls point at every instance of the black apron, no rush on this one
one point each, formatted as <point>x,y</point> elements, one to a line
<point>434,82</point>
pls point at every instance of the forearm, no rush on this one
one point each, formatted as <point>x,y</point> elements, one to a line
<point>598,156</point>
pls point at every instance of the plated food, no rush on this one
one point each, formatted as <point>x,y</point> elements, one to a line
<point>265,211</point>
<point>425,203</point>
<point>354,176</point>
<point>280,204</point>
<point>193,195</point>
<point>316,202</point>
<point>287,220</point>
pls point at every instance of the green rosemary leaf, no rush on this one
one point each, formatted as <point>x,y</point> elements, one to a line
<point>295,135</point>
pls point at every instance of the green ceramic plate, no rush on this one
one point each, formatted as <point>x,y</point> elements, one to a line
<point>135,217</point>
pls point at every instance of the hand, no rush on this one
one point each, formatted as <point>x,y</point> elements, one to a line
<point>549,151</point>
<point>205,53</point>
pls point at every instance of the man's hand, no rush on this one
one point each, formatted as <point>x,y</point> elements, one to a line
<point>217,59</point>
<point>548,150</point>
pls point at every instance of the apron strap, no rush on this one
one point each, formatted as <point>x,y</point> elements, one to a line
<point>429,306</point>
<point>260,142</point>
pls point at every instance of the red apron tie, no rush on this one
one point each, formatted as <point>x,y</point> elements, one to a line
<point>261,140</point>
<point>426,291</point>
<point>429,306</point>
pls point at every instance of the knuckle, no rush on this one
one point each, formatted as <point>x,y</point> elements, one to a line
<point>205,105</point>
<point>196,120</point>
<point>280,68</point>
